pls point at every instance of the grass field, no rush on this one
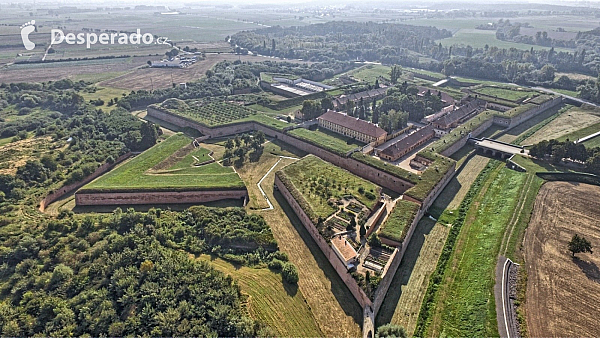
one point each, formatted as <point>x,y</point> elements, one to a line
<point>403,301</point>
<point>270,300</point>
<point>17,153</point>
<point>534,165</point>
<point>503,93</point>
<point>370,73</point>
<point>398,221</point>
<point>105,94</point>
<point>253,172</point>
<point>327,139</point>
<point>315,179</point>
<point>136,174</point>
<point>336,311</point>
<point>572,124</point>
<point>465,302</point>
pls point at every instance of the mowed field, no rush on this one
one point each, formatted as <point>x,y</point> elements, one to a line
<point>563,292</point>
<point>572,124</point>
<point>336,311</point>
<point>274,303</point>
<point>331,304</point>
<point>405,295</point>
<point>465,303</point>
<point>403,300</point>
<point>158,168</point>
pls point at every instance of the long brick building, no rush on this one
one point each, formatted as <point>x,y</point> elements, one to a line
<point>402,147</point>
<point>352,127</point>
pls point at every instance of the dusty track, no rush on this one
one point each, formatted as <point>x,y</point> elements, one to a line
<point>563,293</point>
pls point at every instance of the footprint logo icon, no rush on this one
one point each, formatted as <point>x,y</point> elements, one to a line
<point>27,29</point>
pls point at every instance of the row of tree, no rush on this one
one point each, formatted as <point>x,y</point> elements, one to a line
<point>556,151</point>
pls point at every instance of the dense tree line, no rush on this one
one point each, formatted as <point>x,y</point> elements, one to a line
<point>556,151</point>
<point>85,137</point>
<point>130,273</point>
<point>339,40</point>
<point>405,45</point>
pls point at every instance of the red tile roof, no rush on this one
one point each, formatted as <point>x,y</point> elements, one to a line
<point>353,123</point>
<point>409,141</point>
<point>345,249</point>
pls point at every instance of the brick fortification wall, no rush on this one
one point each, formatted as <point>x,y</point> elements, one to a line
<point>393,264</point>
<point>157,197</point>
<point>460,143</point>
<point>356,167</point>
<point>337,264</point>
<point>55,195</point>
<point>517,120</point>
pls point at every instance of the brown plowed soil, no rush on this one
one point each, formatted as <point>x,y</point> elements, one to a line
<point>563,292</point>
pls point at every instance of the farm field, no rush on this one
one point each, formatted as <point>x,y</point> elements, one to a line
<point>464,31</point>
<point>572,124</point>
<point>280,306</point>
<point>146,172</point>
<point>465,300</point>
<point>164,77</point>
<point>75,70</point>
<point>558,285</point>
<point>327,139</point>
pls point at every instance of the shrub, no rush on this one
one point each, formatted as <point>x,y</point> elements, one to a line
<point>290,273</point>
<point>275,264</point>
<point>282,256</point>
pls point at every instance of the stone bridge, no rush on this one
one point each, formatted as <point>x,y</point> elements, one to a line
<point>497,148</point>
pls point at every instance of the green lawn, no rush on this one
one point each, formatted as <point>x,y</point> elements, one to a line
<point>317,181</point>
<point>370,73</point>
<point>135,175</point>
<point>533,165</point>
<point>396,226</point>
<point>468,307</point>
<point>104,93</point>
<point>327,139</point>
<point>201,154</point>
<point>504,93</point>
<point>574,136</point>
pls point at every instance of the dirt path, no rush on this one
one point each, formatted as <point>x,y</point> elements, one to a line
<point>563,293</point>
